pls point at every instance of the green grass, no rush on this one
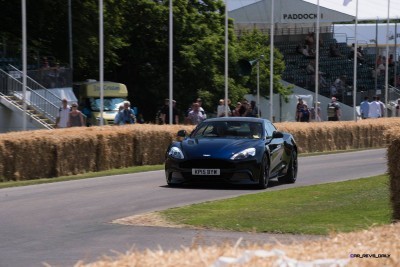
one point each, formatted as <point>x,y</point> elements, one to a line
<point>135,169</point>
<point>320,209</point>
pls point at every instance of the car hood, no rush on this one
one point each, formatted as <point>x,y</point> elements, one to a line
<point>221,148</point>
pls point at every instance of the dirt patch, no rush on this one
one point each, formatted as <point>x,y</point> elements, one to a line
<point>150,219</point>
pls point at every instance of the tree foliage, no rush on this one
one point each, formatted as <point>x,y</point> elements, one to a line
<point>136,47</point>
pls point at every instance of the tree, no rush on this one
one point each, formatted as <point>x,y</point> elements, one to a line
<point>250,46</point>
<point>136,47</point>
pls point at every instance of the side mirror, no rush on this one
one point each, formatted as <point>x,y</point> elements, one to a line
<point>277,134</point>
<point>182,133</point>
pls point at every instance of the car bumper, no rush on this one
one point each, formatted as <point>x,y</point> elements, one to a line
<point>230,171</point>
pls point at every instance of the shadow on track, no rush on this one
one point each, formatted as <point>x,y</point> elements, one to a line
<point>222,185</point>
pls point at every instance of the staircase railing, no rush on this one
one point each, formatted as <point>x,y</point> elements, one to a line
<point>31,115</point>
<point>43,104</point>
<point>394,93</point>
<point>34,85</point>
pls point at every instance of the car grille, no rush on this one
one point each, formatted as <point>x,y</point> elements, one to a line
<point>207,164</point>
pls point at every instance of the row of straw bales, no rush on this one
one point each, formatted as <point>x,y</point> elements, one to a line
<point>61,152</point>
<point>374,247</point>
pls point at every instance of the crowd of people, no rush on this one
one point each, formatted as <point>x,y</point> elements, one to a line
<point>304,113</point>
<point>70,116</point>
<point>374,109</point>
<point>196,113</point>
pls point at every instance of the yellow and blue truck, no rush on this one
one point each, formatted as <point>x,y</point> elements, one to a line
<point>88,95</point>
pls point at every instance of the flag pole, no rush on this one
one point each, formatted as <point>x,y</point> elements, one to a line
<point>317,59</point>
<point>271,67</point>
<point>101,61</point>
<point>387,60</point>
<point>24,67</point>
<point>355,66</point>
<point>226,59</point>
<point>171,55</point>
<point>395,56</point>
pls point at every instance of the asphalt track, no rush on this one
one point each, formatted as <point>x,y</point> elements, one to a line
<point>62,223</point>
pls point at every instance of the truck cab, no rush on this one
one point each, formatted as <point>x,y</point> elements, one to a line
<point>88,95</point>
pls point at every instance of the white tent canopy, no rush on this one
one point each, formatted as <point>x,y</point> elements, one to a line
<point>286,12</point>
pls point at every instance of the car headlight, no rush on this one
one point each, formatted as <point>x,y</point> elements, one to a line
<point>249,152</point>
<point>175,153</point>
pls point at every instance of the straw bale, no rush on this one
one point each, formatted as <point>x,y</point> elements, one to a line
<point>340,249</point>
<point>75,154</point>
<point>153,144</point>
<point>393,156</point>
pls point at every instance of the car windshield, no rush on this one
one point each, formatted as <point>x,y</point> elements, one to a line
<point>228,129</point>
<point>110,103</point>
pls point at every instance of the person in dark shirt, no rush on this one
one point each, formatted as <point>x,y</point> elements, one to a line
<point>165,113</point>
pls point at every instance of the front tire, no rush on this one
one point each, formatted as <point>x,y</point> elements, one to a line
<point>264,174</point>
<point>170,181</point>
<point>291,175</point>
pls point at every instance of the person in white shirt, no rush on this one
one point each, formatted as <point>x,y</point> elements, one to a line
<point>63,115</point>
<point>221,108</point>
<point>374,109</point>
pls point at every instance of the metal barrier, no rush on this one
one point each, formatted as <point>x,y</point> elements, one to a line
<point>40,103</point>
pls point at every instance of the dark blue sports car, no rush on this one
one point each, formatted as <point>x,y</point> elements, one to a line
<point>233,149</point>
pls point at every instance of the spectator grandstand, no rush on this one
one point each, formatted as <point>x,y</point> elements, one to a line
<point>332,67</point>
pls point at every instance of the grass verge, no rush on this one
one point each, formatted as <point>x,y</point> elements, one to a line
<point>83,176</point>
<point>319,209</point>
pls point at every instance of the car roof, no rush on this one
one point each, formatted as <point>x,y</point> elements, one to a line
<point>249,119</point>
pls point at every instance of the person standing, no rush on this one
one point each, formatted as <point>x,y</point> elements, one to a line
<point>381,105</point>
<point>195,116</point>
<point>235,112</point>
<point>244,108</point>
<point>374,109</point>
<point>334,112</point>
<point>304,113</point>
<point>165,113</point>
<point>63,115</point>
<point>299,106</point>
<point>398,108</point>
<point>127,115</point>
<point>364,108</point>
<point>117,118</point>
<point>315,112</point>
<point>221,109</point>
<point>253,109</point>
<point>75,118</point>
<point>200,102</point>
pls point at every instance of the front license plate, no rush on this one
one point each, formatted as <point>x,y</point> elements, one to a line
<point>206,172</point>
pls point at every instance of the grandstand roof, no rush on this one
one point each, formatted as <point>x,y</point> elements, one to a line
<point>286,12</point>
<point>367,9</point>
